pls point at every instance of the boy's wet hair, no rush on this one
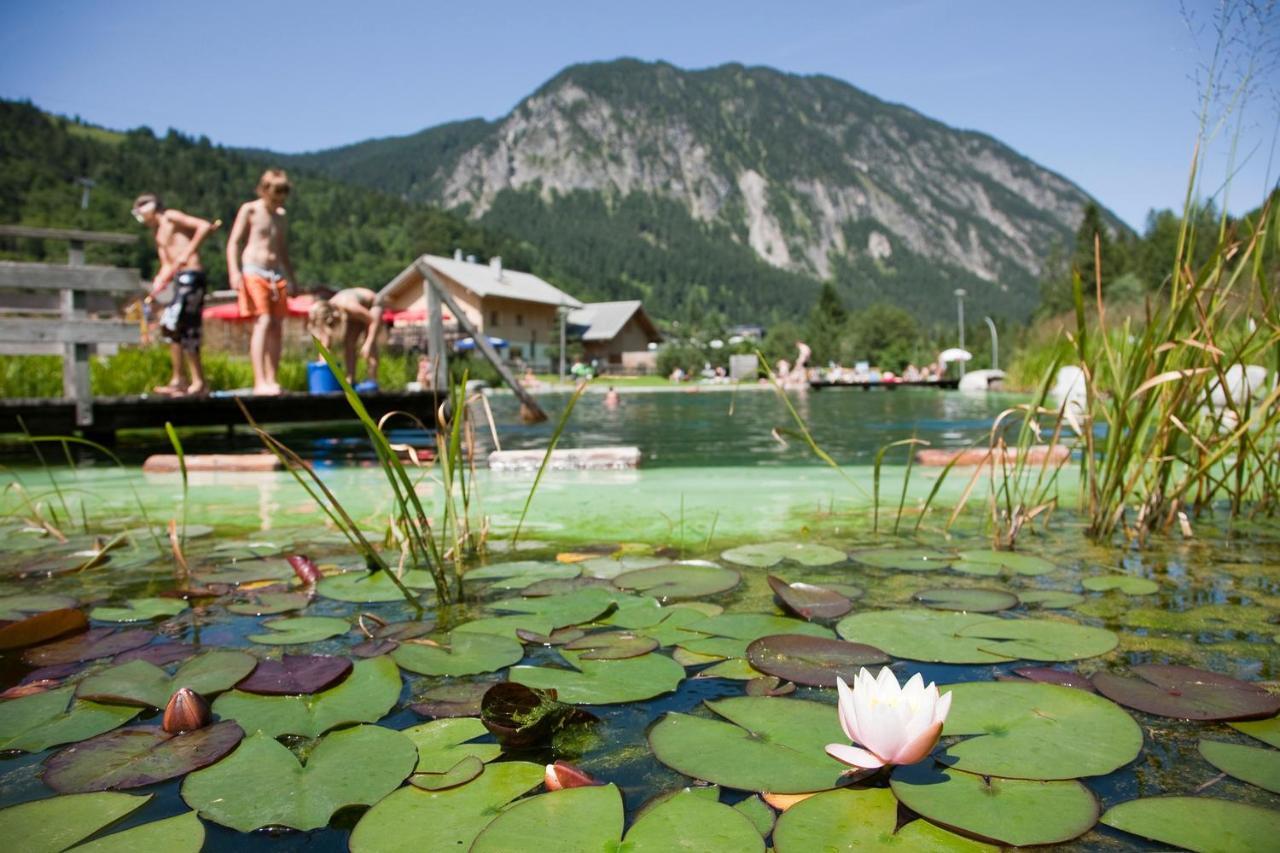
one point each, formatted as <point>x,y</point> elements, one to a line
<point>148,198</point>
<point>272,176</point>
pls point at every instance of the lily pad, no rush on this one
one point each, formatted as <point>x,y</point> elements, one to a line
<point>809,601</point>
<point>20,606</point>
<point>753,626</point>
<point>451,700</point>
<point>142,683</point>
<point>1018,812</point>
<point>604,682</point>
<point>1267,731</point>
<point>679,581</point>
<point>464,654</point>
<point>848,820</point>
<point>42,627</point>
<point>766,554</point>
<point>91,645</point>
<point>1201,824</point>
<point>36,722</point>
<point>441,744</point>
<point>737,669</point>
<point>461,773</point>
<point>552,821</point>
<point>139,610</point>
<point>522,573</point>
<point>371,587</point>
<point>271,603</point>
<point>756,811</point>
<point>967,600</point>
<point>1127,584</point>
<point>1187,693</point>
<point>365,696</point>
<point>263,784</point>
<point>181,834</point>
<point>762,744</point>
<point>1027,730</point>
<point>520,716</point>
<point>294,674</point>
<point>611,567</point>
<point>1001,562</point>
<point>816,661</point>
<point>300,629</point>
<point>1252,764</point>
<point>1049,599</point>
<point>132,758</point>
<point>1062,678</point>
<point>52,825</point>
<point>924,635</point>
<point>571,608</point>
<point>612,645</point>
<point>904,559</point>
<point>160,654</point>
<point>450,818</point>
<point>1042,639</point>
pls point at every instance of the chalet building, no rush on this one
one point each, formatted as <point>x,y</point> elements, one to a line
<point>516,306</point>
<point>616,334</point>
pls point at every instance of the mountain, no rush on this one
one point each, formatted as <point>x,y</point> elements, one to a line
<point>738,189</point>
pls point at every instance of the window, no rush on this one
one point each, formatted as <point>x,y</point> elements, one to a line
<point>493,318</point>
<point>519,319</point>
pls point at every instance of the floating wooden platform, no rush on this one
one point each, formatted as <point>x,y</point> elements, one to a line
<point>573,459</point>
<point>58,417</point>
<point>940,384</point>
<point>1034,455</point>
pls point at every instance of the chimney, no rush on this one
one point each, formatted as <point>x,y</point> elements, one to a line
<point>457,255</point>
<point>495,266</point>
<point>471,259</point>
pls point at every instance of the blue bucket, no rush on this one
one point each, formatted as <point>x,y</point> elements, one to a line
<point>320,379</point>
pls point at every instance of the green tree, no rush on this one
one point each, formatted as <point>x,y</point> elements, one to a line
<point>886,335</point>
<point>827,323</point>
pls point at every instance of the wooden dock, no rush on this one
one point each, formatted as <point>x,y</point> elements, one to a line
<point>58,416</point>
<point>939,384</point>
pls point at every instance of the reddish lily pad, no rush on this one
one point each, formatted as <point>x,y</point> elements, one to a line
<point>42,627</point>
<point>295,674</point>
<point>132,758</point>
<point>1049,675</point>
<point>809,601</point>
<point>815,661</point>
<point>1187,693</point>
<point>679,581</point>
<point>161,654</point>
<point>91,645</point>
<point>520,716</point>
<point>612,645</point>
<point>967,600</point>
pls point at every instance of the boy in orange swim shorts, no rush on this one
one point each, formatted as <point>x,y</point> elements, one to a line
<point>263,275</point>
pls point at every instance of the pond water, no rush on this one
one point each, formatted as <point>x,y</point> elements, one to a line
<point>619,551</point>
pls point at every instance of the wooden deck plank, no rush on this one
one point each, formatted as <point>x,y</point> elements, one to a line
<point>944,384</point>
<point>21,275</point>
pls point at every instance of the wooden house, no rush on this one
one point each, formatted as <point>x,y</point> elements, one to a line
<point>617,335</point>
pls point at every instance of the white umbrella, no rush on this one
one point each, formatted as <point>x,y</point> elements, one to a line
<point>954,354</point>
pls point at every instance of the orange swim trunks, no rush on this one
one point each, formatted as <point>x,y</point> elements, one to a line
<point>262,292</point>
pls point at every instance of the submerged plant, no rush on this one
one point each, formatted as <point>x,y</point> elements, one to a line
<point>896,724</point>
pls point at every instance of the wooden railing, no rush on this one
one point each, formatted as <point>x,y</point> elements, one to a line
<point>28,329</point>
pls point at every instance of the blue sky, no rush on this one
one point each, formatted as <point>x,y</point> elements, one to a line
<point>1103,92</point>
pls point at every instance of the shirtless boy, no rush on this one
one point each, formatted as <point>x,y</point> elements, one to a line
<point>178,237</point>
<point>263,275</point>
<point>357,312</point>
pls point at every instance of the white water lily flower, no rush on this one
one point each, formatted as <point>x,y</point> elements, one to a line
<point>894,724</point>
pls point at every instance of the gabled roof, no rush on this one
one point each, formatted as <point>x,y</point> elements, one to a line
<point>602,321</point>
<point>483,280</point>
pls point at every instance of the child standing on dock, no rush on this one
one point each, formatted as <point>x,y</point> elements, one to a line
<point>178,237</point>
<point>263,275</point>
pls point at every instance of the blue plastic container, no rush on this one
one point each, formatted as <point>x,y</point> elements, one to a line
<point>320,379</point>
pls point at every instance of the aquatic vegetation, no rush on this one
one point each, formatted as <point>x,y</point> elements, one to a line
<point>895,724</point>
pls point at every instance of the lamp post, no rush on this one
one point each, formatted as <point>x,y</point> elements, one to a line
<point>564,319</point>
<point>960,319</point>
<point>995,344</point>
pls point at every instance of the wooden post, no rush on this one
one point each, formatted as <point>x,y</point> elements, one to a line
<point>436,287</point>
<point>435,338</point>
<point>75,356</point>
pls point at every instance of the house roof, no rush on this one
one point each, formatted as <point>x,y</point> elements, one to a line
<point>604,320</point>
<point>483,280</point>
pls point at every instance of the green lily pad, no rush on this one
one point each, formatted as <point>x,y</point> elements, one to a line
<point>737,669</point>
<point>816,661</point>
<point>141,683</point>
<point>1267,731</point>
<point>270,603</point>
<point>924,635</point>
<point>464,654</point>
<point>685,821</point>
<point>1001,562</point>
<point>756,811</point>
<point>1037,731</point>
<point>1187,693</point>
<point>181,834</point>
<point>571,608</point>
<point>20,606</point>
<point>371,587</point>
<point>1201,824</point>
<point>91,645</point>
<point>611,567</point>
<point>450,818</point>
<point>442,744</point>
<point>809,601</point>
<point>249,570</point>
<point>612,645</point>
<point>52,825</point>
<point>679,581</point>
<point>300,629</point>
<point>1127,584</point>
<point>263,784</point>
<point>665,624</point>
<point>508,626</point>
<point>848,820</point>
<point>132,758</point>
<point>369,692</point>
<point>904,559</point>
<point>762,744</point>
<point>1049,599</point>
<point>604,682</point>
<point>139,610</point>
<point>967,600</point>
<point>753,626</point>
<point>1252,764</point>
<point>522,573</point>
<point>37,722</point>
<point>766,554</point>
<point>461,773</point>
<point>461,699</point>
<point>1019,812</point>
<point>1042,639</point>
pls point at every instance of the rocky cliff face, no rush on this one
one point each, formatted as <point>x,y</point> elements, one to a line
<point>812,175</point>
